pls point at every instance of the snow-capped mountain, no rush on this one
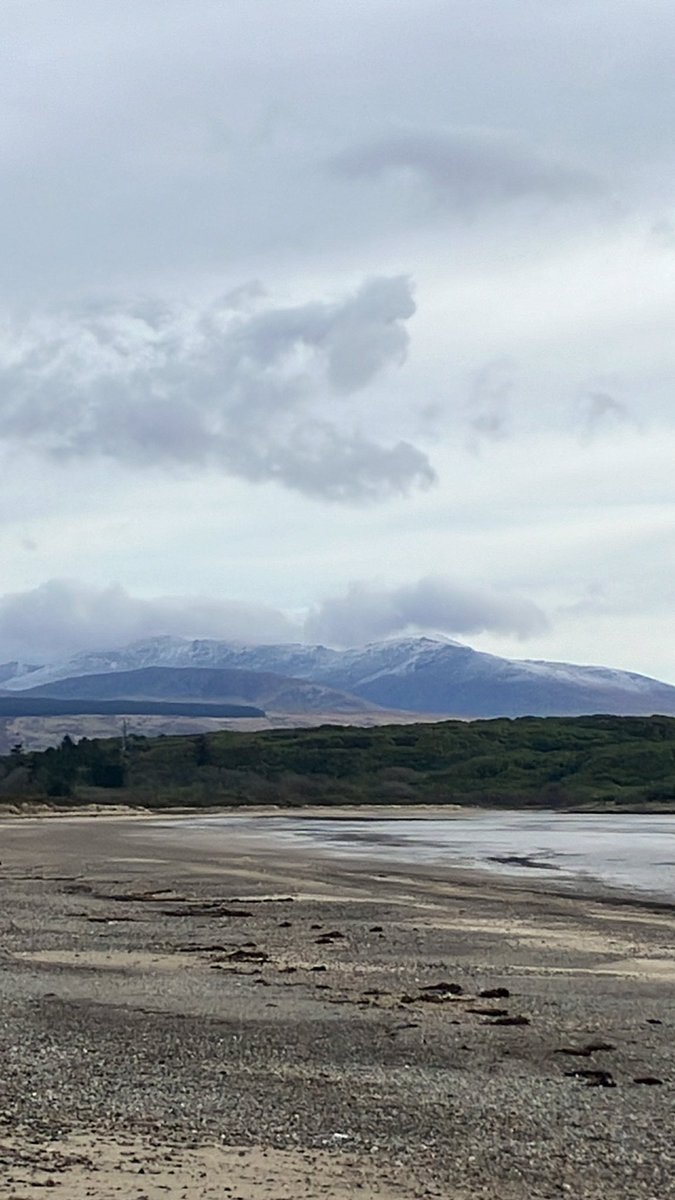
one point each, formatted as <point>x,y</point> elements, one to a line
<point>14,670</point>
<point>426,675</point>
<point>168,651</point>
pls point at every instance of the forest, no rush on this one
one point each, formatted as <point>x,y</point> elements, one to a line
<point>582,763</point>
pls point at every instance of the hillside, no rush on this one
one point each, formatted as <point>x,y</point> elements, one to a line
<point>585,762</point>
<point>50,706</point>
<point>273,693</point>
<point>425,675</point>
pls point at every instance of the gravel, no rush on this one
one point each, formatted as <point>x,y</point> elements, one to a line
<point>141,1022</point>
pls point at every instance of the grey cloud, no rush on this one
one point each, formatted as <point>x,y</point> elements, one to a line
<point>324,462</point>
<point>191,145</point>
<point>64,616</point>
<point>357,337</point>
<point>468,168</point>
<point>240,385</point>
<point>433,604</point>
<point>600,409</point>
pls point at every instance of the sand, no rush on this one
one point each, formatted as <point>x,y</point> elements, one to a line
<point>82,1167</point>
<point>189,1016</point>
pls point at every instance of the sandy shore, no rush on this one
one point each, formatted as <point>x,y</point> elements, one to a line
<point>182,1017</point>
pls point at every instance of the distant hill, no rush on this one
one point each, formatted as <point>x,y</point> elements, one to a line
<point>274,693</point>
<point>423,675</point>
<point>52,706</point>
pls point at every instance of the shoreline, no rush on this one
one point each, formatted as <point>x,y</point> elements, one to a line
<point>390,812</point>
<point>575,887</point>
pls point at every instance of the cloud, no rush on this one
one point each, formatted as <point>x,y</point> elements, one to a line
<point>600,409</point>
<point>240,385</point>
<point>438,605</point>
<point>467,169</point>
<point>63,616</point>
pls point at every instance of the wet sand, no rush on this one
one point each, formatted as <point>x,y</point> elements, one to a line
<point>623,851</point>
<point>186,1017</point>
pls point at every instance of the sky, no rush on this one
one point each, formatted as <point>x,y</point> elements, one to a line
<point>336,320</point>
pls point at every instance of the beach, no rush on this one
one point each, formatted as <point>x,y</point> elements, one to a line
<point>185,1015</point>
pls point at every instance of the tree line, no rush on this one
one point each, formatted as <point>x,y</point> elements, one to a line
<point>574,762</point>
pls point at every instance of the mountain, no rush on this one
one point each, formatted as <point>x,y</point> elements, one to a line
<point>432,676</point>
<point>294,660</point>
<point>11,670</point>
<point>425,675</point>
<point>273,693</point>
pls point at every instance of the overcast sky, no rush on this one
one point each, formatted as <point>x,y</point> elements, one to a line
<point>338,320</point>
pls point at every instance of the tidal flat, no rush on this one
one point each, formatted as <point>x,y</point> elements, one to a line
<point>188,1016</point>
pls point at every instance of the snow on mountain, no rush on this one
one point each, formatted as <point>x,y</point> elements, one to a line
<point>14,670</point>
<point>166,651</point>
<point>418,674</point>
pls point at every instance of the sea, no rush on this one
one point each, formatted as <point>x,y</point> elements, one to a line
<point>631,852</point>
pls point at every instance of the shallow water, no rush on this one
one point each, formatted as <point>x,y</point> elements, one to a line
<point>631,851</point>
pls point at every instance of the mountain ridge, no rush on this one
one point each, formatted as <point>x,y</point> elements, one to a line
<point>271,692</point>
<point>414,674</point>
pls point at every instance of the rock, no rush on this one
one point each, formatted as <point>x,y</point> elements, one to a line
<point>594,1078</point>
<point>243,955</point>
<point>586,1051</point>
<point>522,860</point>
<point>509,1021</point>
